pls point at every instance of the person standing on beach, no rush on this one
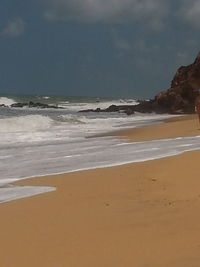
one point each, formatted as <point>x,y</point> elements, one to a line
<point>197,105</point>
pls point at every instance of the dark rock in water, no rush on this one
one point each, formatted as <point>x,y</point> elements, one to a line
<point>37,105</point>
<point>112,108</point>
<point>34,105</point>
<point>129,111</point>
<point>19,105</point>
<point>144,106</point>
<point>87,110</point>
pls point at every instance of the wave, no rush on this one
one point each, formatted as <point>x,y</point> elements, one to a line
<point>72,119</point>
<point>6,101</point>
<point>27,123</point>
<point>72,105</point>
<point>93,105</point>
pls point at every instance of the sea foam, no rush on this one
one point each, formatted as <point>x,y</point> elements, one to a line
<point>41,142</point>
<point>6,101</point>
<point>27,123</point>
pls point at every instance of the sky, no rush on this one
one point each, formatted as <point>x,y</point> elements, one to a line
<point>101,48</point>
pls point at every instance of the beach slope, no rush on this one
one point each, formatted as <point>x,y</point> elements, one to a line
<point>137,215</point>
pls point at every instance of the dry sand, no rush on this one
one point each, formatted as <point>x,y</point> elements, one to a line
<point>135,215</point>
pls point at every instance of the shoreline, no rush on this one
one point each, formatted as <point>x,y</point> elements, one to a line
<point>131,135</point>
<point>134,135</point>
<point>184,126</point>
<point>132,215</point>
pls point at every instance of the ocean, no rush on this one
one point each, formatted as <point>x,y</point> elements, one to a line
<point>37,142</point>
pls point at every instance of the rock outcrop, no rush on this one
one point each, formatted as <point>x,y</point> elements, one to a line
<point>178,99</point>
<point>34,105</point>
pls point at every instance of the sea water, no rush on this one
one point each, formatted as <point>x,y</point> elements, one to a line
<point>36,142</point>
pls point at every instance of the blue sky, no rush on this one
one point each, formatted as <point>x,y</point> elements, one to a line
<point>116,48</point>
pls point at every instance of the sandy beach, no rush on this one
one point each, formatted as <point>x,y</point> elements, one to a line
<point>171,128</point>
<point>135,215</point>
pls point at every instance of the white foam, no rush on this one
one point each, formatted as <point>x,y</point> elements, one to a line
<point>86,154</point>
<point>6,101</point>
<point>48,142</point>
<point>90,153</point>
<point>94,105</point>
<point>26,130</point>
<point>105,122</point>
<point>18,192</point>
<point>27,123</point>
<point>73,119</point>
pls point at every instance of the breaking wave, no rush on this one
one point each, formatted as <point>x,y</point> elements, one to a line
<point>93,105</point>
<point>6,101</point>
<point>27,123</point>
<point>72,119</point>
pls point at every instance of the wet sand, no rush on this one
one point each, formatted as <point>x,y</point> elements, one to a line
<point>170,128</point>
<point>137,215</point>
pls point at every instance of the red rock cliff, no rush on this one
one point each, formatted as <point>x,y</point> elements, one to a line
<point>181,96</point>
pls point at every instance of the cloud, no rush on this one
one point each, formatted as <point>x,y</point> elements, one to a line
<point>14,28</point>
<point>106,11</point>
<point>190,12</point>
<point>122,45</point>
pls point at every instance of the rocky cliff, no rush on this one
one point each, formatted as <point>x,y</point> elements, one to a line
<point>180,97</point>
